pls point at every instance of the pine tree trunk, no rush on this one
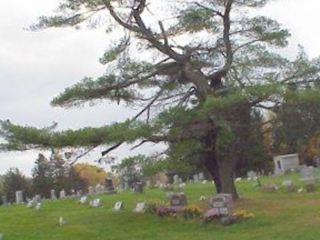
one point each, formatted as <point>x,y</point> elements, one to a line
<point>226,169</point>
<point>221,171</point>
<point>222,174</point>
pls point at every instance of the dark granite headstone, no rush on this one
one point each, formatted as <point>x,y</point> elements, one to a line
<point>223,203</point>
<point>109,186</point>
<point>178,201</point>
<point>138,187</point>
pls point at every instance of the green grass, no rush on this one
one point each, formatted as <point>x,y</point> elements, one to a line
<point>281,215</point>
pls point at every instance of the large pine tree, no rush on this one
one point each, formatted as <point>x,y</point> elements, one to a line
<point>198,69</point>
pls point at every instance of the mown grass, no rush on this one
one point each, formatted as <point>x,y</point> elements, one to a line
<point>280,215</point>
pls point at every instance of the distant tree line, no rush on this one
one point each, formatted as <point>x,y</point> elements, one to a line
<point>53,173</point>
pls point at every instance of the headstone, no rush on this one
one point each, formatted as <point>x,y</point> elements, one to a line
<point>238,179</point>
<point>201,176</point>
<point>62,221</point>
<point>83,199</point>
<point>37,198</point>
<point>140,208</point>
<point>53,194</point>
<point>126,185</point>
<point>38,206</point>
<point>182,186</point>
<point>138,187</point>
<point>91,190</point>
<point>62,194</point>
<point>95,203</point>
<point>252,176</point>
<point>195,178</point>
<point>286,163</point>
<point>109,186</point>
<point>31,203</point>
<point>202,198</point>
<point>176,179</point>
<point>79,194</point>
<point>148,183</point>
<point>223,203</point>
<point>19,197</point>
<point>178,200</point>
<point>308,174</point>
<point>118,206</point>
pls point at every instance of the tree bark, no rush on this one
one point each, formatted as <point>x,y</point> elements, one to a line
<point>221,171</point>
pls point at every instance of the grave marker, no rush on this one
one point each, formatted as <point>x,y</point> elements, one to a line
<point>140,208</point>
<point>118,206</point>
<point>19,197</point>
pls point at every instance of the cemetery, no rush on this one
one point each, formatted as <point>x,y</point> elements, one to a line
<point>195,213</point>
<point>168,120</point>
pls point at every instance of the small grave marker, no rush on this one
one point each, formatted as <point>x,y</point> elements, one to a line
<point>140,208</point>
<point>118,206</point>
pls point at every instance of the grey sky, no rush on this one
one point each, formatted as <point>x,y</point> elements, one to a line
<point>35,66</point>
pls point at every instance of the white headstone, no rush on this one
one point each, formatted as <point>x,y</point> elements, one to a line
<point>37,198</point>
<point>62,221</point>
<point>175,179</point>
<point>31,204</point>
<point>95,203</point>
<point>196,178</point>
<point>285,163</point>
<point>140,208</point>
<point>19,197</point>
<point>62,194</point>
<point>252,175</point>
<point>38,206</point>
<point>83,199</point>
<point>201,176</point>
<point>118,206</point>
<point>53,194</point>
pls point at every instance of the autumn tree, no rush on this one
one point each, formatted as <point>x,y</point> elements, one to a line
<point>198,69</point>
<point>91,174</point>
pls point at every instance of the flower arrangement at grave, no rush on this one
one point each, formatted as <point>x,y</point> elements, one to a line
<point>192,211</point>
<point>242,215</point>
<point>153,205</point>
<point>164,211</point>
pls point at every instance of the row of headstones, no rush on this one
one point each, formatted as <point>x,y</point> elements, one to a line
<point>119,205</point>
<point>99,189</point>
<point>196,178</point>
<point>307,173</point>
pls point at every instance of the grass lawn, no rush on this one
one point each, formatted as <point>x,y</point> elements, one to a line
<point>277,216</point>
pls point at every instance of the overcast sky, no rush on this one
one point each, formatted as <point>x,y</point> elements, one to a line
<point>35,66</point>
